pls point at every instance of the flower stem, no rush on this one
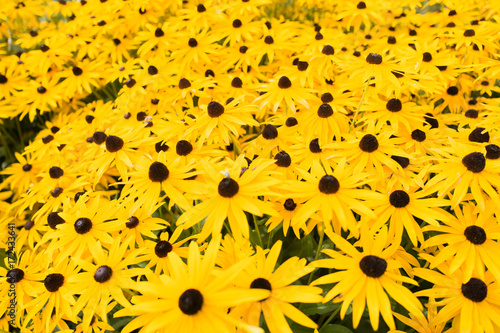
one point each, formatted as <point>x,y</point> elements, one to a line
<point>334,313</point>
<point>320,243</point>
<point>257,230</point>
<point>359,106</point>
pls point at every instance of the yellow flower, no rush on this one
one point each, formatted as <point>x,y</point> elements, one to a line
<point>263,275</point>
<point>192,297</point>
<point>365,278</point>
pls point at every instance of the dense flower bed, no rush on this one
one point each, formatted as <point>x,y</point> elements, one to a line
<point>250,165</point>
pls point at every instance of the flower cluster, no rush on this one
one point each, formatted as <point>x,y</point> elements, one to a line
<point>251,165</point>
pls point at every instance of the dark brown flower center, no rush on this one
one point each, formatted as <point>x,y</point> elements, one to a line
<point>368,143</point>
<point>200,8</point>
<point>268,40</point>
<point>152,70</point>
<point>237,24</point>
<point>269,132</point>
<point>291,121</point>
<point>159,33</point>
<point>158,172</point>
<point>314,146</point>
<point>46,139</point>
<point>452,91</point>
<point>282,159</point>
<point>236,83</point>
<point>327,98</point>
<point>302,65</point>
<point>431,120</point>
<point>114,143</point>
<point>469,33</point>
<point>53,219</point>
<point>192,42</point>
<point>284,82</point>
<point>56,192</point>
<point>83,225</point>
<point>183,148</point>
<point>399,199</point>
<point>56,172</point>
<point>260,283</point>
<point>391,40</point>
<point>325,111</point>
<point>474,234</point>
<point>161,146</point>
<point>471,113</point>
<point>215,109</point>
<point>15,275</point>
<point>394,105</point>
<point>132,222</point>
<point>361,5</point>
<point>27,167</point>
<point>492,152</point>
<point>402,161</point>
<point>103,274</point>
<point>163,248</point>
<point>77,71</point>
<point>99,138</point>
<point>427,57</point>
<point>374,59</point>
<point>228,188</point>
<point>41,90</point>
<point>130,83</point>
<point>475,290</point>
<point>328,50</point>
<point>290,205</point>
<point>190,302</point>
<point>418,135</point>
<point>474,162</point>
<point>184,83</point>
<point>29,224</point>
<point>479,135</point>
<point>328,184</point>
<point>53,282</point>
<point>373,266</point>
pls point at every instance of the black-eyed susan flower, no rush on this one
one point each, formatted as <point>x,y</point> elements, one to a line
<point>228,194</point>
<point>335,194</point>
<point>472,305</point>
<point>263,275</point>
<point>103,281</point>
<point>192,297</point>
<point>367,278</point>
<point>470,239</point>
<point>156,179</point>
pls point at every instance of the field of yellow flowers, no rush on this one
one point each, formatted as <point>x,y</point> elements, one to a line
<point>250,166</point>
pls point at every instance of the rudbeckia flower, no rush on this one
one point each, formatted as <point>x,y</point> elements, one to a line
<point>229,194</point>
<point>367,278</point>
<point>400,207</point>
<point>472,305</point>
<point>335,194</point>
<point>263,275</point>
<point>153,177</point>
<point>54,297</point>
<point>282,89</point>
<point>105,280</point>
<point>469,241</point>
<point>192,297</point>
<point>88,222</point>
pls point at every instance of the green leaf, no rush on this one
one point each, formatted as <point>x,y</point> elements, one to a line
<point>335,328</point>
<point>318,308</point>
